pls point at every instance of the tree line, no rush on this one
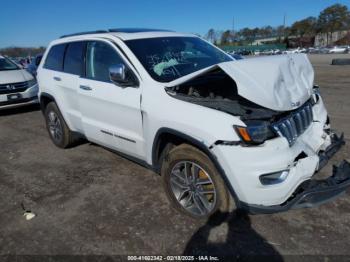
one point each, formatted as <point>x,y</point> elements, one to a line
<point>22,51</point>
<point>331,19</point>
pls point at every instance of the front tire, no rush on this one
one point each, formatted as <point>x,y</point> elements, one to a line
<point>58,130</point>
<point>193,184</point>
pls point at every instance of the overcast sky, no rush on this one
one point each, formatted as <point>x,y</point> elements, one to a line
<point>37,22</point>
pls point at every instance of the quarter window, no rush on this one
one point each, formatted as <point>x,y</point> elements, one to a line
<point>54,60</point>
<point>99,58</point>
<point>73,61</point>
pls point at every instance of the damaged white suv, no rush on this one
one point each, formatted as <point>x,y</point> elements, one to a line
<point>222,133</point>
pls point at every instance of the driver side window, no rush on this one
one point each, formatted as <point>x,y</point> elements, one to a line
<point>99,57</point>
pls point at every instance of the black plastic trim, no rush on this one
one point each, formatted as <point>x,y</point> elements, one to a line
<point>131,158</point>
<point>46,95</point>
<point>337,143</point>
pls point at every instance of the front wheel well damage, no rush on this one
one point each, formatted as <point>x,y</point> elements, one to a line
<point>167,138</point>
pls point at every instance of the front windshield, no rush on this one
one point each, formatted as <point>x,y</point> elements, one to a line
<point>168,58</point>
<point>7,64</point>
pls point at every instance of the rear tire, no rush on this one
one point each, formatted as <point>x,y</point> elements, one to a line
<point>58,130</point>
<point>193,184</point>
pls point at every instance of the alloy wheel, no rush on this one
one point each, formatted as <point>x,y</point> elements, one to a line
<point>55,126</point>
<point>193,188</point>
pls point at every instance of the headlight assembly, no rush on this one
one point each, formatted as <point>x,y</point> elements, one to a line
<point>256,132</point>
<point>31,82</point>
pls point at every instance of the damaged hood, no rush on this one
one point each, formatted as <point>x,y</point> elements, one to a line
<point>281,83</point>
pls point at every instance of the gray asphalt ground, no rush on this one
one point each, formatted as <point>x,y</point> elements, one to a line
<point>91,201</point>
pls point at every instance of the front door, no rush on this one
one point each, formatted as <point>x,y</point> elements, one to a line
<point>111,114</point>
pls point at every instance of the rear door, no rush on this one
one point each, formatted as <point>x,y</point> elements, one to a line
<point>111,114</point>
<point>63,67</point>
<point>73,69</point>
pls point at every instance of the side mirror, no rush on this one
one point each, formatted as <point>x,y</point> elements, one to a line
<point>120,75</point>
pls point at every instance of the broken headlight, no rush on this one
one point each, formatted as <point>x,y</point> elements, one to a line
<point>256,132</point>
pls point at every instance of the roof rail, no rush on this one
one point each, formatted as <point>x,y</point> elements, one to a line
<point>86,33</point>
<point>118,30</point>
<point>136,30</point>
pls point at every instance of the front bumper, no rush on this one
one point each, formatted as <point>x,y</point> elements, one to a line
<point>243,166</point>
<point>28,97</point>
<point>313,192</point>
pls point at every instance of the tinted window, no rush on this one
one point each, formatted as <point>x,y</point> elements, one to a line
<point>73,60</point>
<point>7,64</point>
<point>54,60</point>
<point>99,57</point>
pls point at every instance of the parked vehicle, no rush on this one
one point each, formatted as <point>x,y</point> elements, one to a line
<point>277,52</point>
<point>291,51</point>
<point>257,52</point>
<point>338,50</point>
<point>324,50</point>
<point>17,86</point>
<point>295,51</point>
<point>222,133</point>
<point>32,67</point>
<point>236,56</point>
<point>313,50</point>
<point>24,62</point>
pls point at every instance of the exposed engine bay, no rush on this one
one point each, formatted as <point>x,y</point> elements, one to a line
<point>217,90</point>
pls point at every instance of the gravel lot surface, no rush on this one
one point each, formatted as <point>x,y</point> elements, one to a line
<point>91,201</point>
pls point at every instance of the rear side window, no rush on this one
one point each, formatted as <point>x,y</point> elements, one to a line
<point>54,60</point>
<point>73,61</point>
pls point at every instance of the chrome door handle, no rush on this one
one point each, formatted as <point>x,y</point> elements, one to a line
<point>87,88</point>
<point>56,78</point>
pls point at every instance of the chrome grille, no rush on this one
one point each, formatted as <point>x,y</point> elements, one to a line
<point>292,126</point>
<point>13,87</point>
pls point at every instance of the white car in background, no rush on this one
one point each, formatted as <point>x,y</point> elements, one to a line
<point>295,51</point>
<point>338,50</point>
<point>249,133</point>
<point>17,86</point>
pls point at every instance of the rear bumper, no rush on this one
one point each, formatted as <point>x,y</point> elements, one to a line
<point>313,192</point>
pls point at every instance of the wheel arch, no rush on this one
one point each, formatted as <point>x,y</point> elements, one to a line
<point>164,136</point>
<point>45,99</point>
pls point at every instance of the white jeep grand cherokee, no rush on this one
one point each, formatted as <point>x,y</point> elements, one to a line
<point>222,133</point>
